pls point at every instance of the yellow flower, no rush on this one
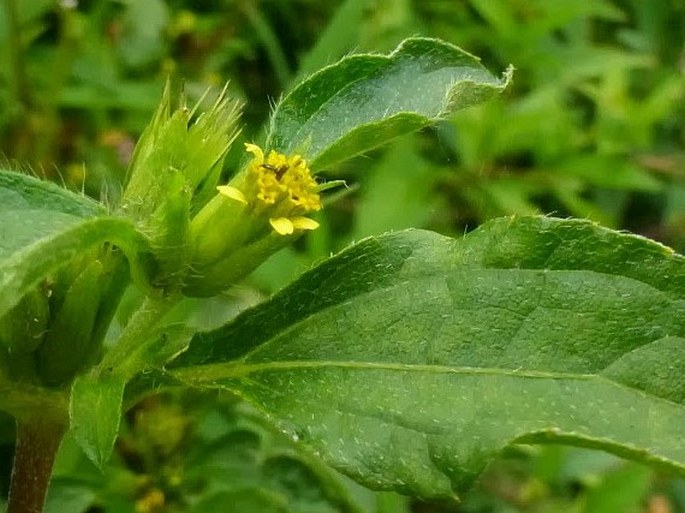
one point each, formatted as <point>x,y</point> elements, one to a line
<point>151,501</point>
<point>260,211</point>
<point>279,186</point>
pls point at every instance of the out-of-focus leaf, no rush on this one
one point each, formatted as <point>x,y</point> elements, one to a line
<point>341,34</point>
<point>143,31</point>
<point>621,491</point>
<point>64,497</point>
<point>236,455</point>
<point>613,173</point>
<point>387,203</point>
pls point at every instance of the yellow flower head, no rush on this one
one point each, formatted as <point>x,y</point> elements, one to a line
<point>281,185</point>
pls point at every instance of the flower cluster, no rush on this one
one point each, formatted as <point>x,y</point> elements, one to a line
<point>279,187</point>
<point>261,210</point>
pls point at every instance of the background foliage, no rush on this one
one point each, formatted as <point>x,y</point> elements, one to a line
<point>592,127</point>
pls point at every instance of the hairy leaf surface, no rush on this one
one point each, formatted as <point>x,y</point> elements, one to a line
<point>95,414</point>
<point>365,100</point>
<point>43,226</point>
<point>409,360</point>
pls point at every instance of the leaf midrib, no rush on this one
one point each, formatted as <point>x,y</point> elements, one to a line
<point>203,374</point>
<point>214,371</point>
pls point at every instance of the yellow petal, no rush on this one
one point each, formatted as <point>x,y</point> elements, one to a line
<point>232,193</point>
<point>255,150</point>
<point>282,225</point>
<point>304,223</point>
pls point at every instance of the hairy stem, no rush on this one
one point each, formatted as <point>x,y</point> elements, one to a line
<point>138,333</point>
<point>37,444</point>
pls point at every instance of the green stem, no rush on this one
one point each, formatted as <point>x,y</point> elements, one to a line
<point>22,399</point>
<point>20,82</point>
<point>273,48</point>
<point>138,333</point>
<point>37,444</point>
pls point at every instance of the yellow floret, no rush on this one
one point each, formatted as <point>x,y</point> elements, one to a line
<point>280,185</point>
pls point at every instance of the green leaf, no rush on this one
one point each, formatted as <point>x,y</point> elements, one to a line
<point>143,26</point>
<point>623,490</point>
<point>94,413</point>
<point>341,34</point>
<point>22,192</point>
<point>610,172</point>
<point>68,497</point>
<point>234,451</point>
<point>414,201</point>
<point>44,226</point>
<point>247,499</point>
<point>365,100</point>
<point>410,360</point>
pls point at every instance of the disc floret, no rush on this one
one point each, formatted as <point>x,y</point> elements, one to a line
<point>279,186</point>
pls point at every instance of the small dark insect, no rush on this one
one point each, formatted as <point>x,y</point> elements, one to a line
<point>278,171</point>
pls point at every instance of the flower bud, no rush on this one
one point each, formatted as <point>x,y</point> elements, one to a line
<point>174,172</point>
<point>67,343</point>
<point>22,328</point>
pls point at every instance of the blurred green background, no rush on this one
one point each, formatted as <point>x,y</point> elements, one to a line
<point>593,127</point>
